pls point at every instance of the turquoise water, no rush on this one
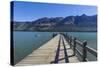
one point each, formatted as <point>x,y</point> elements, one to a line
<point>26,42</point>
<point>90,37</point>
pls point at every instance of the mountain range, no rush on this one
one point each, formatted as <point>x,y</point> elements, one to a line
<point>70,23</point>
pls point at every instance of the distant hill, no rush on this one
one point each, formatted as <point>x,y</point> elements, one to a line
<point>69,23</point>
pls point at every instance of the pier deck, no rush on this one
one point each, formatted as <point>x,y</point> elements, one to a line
<point>57,50</point>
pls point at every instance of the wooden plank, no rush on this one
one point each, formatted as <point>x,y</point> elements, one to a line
<point>72,59</point>
<point>46,53</point>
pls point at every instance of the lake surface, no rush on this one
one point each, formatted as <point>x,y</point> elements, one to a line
<point>26,42</point>
<point>90,37</point>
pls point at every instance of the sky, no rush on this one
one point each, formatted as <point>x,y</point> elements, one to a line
<point>30,11</point>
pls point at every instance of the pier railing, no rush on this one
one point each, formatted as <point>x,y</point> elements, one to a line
<point>74,42</point>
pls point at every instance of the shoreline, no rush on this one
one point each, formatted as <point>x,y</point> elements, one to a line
<point>50,31</point>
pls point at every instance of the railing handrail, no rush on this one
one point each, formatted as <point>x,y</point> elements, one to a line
<point>91,50</point>
<point>84,46</point>
<point>79,42</point>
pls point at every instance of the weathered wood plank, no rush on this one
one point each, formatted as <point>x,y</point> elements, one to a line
<point>46,53</point>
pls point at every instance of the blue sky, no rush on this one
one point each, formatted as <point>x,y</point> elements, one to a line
<point>30,11</point>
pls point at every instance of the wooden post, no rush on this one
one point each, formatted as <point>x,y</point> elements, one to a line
<point>70,42</point>
<point>74,47</point>
<point>67,36</point>
<point>53,34</point>
<point>68,39</point>
<point>84,51</point>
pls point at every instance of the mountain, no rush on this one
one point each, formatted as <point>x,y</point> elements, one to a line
<point>85,20</point>
<point>69,23</point>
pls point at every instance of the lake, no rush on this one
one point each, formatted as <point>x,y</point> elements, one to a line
<point>26,42</point>
<point>90,37</point>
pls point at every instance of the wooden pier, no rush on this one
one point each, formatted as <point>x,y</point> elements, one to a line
<point>58,50</point>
